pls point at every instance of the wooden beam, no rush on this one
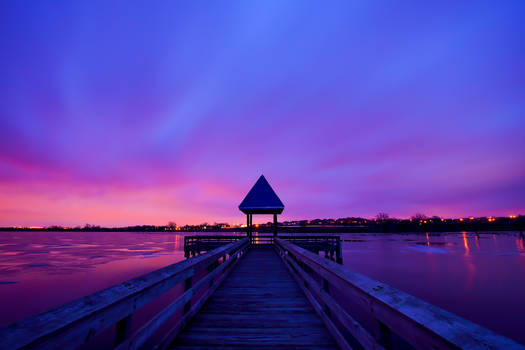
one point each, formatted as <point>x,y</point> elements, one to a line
<point>248,226</point>
<point>421,324</point>
<point>75,323</point>
<point>148,329</point>
<point>122,329</point>
<point>179,326</point>
<point>321,295</point>
<point>275,225</point>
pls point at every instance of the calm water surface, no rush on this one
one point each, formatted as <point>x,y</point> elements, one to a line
<point>479,277</point>
<point>41,270</point>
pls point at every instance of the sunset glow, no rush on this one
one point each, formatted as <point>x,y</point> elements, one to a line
<point>169,112</point>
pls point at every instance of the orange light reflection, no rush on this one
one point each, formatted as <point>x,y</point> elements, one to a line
<point>465,242</point>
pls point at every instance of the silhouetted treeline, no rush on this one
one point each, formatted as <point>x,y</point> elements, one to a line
<point>415,224</point>
<point>382,223</point>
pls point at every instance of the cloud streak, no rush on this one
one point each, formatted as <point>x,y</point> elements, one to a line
<point>119,114</point>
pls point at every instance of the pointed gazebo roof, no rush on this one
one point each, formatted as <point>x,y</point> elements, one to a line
<point>261,199</point>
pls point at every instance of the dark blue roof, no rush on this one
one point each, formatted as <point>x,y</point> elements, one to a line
<point>261,199</point>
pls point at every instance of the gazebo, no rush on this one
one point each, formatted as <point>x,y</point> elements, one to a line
<point>261,200</point>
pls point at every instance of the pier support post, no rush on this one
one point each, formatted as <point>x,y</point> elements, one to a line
<point>339,253</point>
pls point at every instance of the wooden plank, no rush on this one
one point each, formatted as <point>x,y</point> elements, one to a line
<point>255,321</point>
<point>76,322</point>
<point>339,338</point>
<point>248,336</point>
<point>251,309</point>
<point>348,322</point>
<point>122,329</point>
<point>259,347</point>
<point>174,331</point>
<point>421,324</point>
<point>147,330</point>
<point>276,332</point>
<point>269,311</point>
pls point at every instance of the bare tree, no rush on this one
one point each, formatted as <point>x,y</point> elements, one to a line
<point>172,225</point>
<point>382,216</point>
<point>419,216</point>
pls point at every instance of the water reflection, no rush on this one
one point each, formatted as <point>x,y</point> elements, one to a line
<point>53,253</point>
<point>465,243</point>
<point>520,243</point>
<point>495,239</point>
<point>480,277</point>
<point>64,266</point>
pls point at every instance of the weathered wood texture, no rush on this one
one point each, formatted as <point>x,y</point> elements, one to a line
<point>419,323</point>
<point>258,306</point>
<point>195,245</point>
<point>330,245</point>
<point>75,323</point>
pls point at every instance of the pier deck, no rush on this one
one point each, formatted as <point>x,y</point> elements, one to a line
<point>259,306</point>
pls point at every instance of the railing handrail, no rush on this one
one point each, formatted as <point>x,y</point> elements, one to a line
<point>421,324</point>
<point>295,236</point>
<point>292,237</point>
<point>74,323</point>
<point>214,237</point>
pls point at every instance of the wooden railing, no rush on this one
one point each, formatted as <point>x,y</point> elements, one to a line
<point>261,238</point>
<point>196,244</point>
<point>331,288</point>
<point>329,244</point>
<point>75,323</point>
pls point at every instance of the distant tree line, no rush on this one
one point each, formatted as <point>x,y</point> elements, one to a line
<point>381,223</point>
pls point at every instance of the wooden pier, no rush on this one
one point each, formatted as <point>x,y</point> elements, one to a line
<point>329,245</point>
<point>258,306</point>
<point>238,295</point>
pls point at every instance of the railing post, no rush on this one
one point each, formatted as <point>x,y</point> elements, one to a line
<point>212,267</point>
<point>187,286</point>
<point>384,335</point>
<point>339,254</point>
<point>326,289</point>
<point>122,329</point>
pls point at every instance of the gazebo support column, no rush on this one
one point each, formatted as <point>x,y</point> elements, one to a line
<point>275,225</point>
<point>248,233</point>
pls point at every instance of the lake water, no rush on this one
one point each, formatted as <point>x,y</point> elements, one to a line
<point>479,277</point>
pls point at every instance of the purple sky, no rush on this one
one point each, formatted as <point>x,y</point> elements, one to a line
<point>134,113</point>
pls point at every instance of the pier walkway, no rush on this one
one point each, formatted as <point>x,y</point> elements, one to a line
<point>259,306</point>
